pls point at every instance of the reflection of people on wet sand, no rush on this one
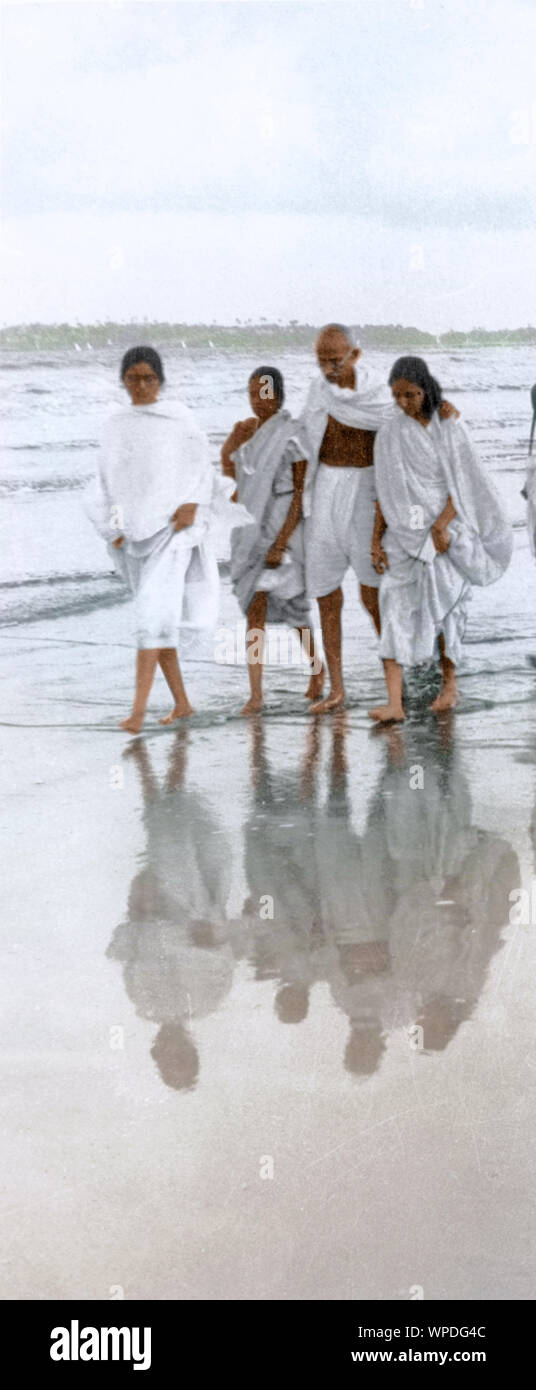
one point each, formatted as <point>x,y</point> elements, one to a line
<point>280,863</point>
<point>452,883</point>
<point>357,899</point>
<point>174,946</point>
<point>402,921</point>
<point>330,889</point>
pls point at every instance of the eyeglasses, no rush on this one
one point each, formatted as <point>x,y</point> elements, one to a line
<point>336,362</point>
<point>137,379</point>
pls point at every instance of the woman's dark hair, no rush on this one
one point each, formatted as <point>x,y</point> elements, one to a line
<point>415,370</point>
<point>143,354</point>
<point>276,378</point>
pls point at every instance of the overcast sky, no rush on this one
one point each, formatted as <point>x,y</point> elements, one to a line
<point>368,160</point>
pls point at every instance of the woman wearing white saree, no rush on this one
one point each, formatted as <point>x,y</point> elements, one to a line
<point>156,498</point>
<point>439,529</point>
<point>265,456</point>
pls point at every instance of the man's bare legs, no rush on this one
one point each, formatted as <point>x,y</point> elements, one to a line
<point>146,662</point>
<point>370,598</point>
<point>330,606</point>
<point>394,710</point>
<point>448,696</point>
<point>169,665</point>
<point>316,683</point>
<point>256,620</point>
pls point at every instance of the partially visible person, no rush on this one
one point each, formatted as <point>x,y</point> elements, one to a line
<point>265,456</point>
<point>439,529</point>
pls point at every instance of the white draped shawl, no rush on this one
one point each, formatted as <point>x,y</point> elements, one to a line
<point>154,459</point>
<point>265,486</point>
<point>416,469</point>
<point>424,594</point>
<point>367,407</point>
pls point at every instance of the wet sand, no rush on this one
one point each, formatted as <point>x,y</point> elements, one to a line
<point>269,1015</point>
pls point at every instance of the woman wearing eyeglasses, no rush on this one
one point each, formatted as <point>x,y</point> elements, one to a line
<point>156,495</point>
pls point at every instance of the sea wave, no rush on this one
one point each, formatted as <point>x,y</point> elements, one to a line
<point>10,487</point>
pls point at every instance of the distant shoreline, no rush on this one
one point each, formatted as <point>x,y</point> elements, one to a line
<point>263,338</point>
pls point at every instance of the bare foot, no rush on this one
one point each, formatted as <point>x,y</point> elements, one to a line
<point>253,705</point>
<point>179,712</point>
<point>133,724</point>
<point>388,714</point>
<point>316,685</point>
<point>448,698</point>
<point>334,701</point>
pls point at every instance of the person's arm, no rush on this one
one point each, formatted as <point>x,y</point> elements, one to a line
<point>447,411</point>
<point>377,553</point>
<point>439,528</point>
<point>240,433</point>
<point>278,547</point>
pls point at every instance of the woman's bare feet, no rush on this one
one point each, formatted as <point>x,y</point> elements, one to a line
<point>448,698</point>
<point>316,685</point>
<point>388,714</point>
<point>333,701</point>
<point>253,706</point>
<point>132,725</point>
<point>180,711</point>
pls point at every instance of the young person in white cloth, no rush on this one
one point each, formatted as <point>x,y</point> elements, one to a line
<point>265,456</point>
<point>439,529</point>
<point>155,501</point>
<point>345,407</point>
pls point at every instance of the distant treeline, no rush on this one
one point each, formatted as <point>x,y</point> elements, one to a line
<point>242,337</point>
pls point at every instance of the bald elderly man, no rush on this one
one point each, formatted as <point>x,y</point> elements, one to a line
<point>345,407</point>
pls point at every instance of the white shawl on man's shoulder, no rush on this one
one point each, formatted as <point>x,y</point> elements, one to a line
<point>416,468</point>
<point>367,407</point>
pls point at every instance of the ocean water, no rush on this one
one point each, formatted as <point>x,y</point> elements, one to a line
<point>53,407</point>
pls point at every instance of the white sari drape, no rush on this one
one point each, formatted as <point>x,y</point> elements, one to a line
<point>423,594</point>
<point>265,485</point>
<point>154,459</point>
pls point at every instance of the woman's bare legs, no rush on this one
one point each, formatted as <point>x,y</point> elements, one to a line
<point>169,665</point>
<point>448,696</point>
<point>145,668</point>
<point>394,710</point>
<point>318,671</point>
<point>256,619</point>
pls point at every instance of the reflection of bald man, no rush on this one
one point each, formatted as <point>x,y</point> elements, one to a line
<point>357,899</point>
<point>279,858</point>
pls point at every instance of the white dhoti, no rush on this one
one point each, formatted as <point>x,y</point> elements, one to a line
<point>339,529</point>
<point>338,502</point>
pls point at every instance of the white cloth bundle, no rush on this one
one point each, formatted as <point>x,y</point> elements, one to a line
<point>367,407</point>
